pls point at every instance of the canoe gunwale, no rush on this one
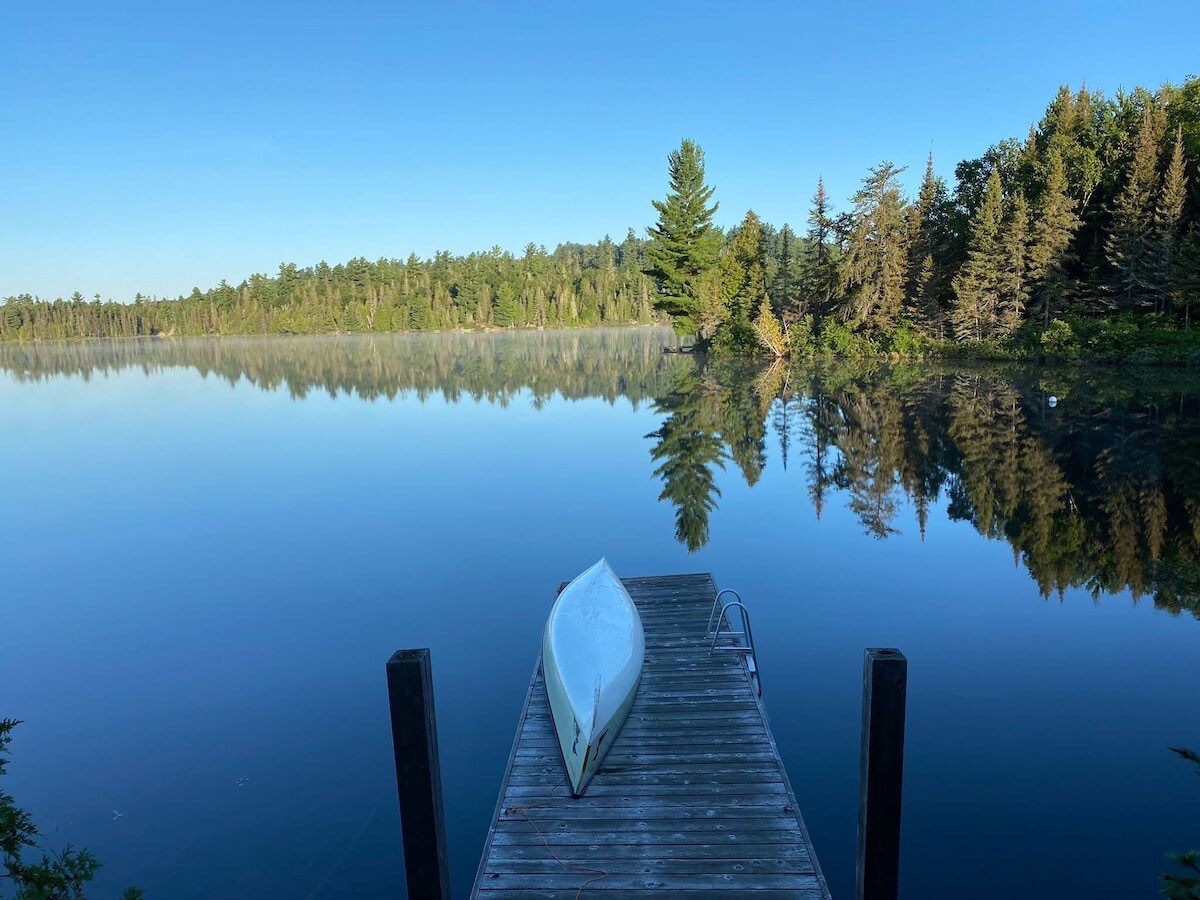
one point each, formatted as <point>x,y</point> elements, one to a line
<point>593,635</point>
<point>602,754</point>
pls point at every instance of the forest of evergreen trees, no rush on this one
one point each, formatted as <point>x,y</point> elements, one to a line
<point>576,285</point>
<point>1070,241</point>
<point>1080,240</point>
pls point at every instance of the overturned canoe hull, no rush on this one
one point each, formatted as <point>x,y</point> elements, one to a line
<point>592,653</point>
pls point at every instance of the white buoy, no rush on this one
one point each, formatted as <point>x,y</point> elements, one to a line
<point>1053,401</point>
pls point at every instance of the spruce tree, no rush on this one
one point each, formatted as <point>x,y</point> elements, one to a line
<point>1168,218</point>
<point>1013,296</point>
<point>684,243</point>
<point>1029,163</point>
<point>1185,279</point>
<point>1069,128</point>
<point>506,310</point>
<point>1053,230</point>
<point>873,269</point>
<point>919,219</point>
<point>925,248</point>
<point>784,297</point>
<point>926,299</point>
<point>1129,241</point>
<point>818,277</point>
<point>974,312</point>
<point>743,281</point>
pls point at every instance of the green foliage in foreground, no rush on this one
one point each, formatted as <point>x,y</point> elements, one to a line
<point>58,875</point>
<point>1184,887</point>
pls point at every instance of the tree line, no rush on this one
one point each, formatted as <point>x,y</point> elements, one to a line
<point>1060,243</point>
<point>1082,238</point>
<point>575,285</point>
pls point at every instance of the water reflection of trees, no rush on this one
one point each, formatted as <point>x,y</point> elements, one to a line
<point>606,363</point>
<point>687,451</point>
<point>1101,491</point>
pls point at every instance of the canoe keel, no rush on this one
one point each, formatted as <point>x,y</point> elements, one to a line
<point>592,654</point>
<point>583,753</point>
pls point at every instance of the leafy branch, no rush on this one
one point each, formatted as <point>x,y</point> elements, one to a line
<point>59,875</point>
<point>1184,887</point>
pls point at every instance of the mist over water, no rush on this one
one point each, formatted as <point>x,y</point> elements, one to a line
<point>213,545</point>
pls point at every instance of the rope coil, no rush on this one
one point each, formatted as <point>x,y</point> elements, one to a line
<point>600,874</point>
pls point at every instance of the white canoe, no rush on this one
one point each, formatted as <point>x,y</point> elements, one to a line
<point>592,655</point>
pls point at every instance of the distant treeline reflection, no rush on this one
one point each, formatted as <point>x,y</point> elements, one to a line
<point>600,362</point>
<point>1098,488</point>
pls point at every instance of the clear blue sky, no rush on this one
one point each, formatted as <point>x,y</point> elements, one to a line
<point>156,146</point>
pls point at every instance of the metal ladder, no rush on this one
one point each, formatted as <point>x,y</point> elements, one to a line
<point>729,639</point>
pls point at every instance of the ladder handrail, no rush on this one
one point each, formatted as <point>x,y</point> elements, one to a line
<point>720,612</point>
<point>716,603</point>
<point>745,622</point>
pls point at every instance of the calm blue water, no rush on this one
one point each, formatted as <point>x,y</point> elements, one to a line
<point>210,548</point>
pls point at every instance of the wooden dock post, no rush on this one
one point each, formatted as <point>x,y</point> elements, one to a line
<point>881,773</point>
<point>418,774</point>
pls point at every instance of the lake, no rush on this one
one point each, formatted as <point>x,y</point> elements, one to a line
<point>212,546</point>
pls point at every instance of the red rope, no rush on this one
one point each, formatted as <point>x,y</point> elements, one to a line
<point>600,873</point>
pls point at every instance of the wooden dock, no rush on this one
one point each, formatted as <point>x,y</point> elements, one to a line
<point>692,800</point>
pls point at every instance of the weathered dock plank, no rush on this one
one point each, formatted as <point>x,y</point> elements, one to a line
<point>692,801</point>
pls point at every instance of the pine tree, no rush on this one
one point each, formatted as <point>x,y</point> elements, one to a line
<point>1185,279</point>
<point>743,281</point>
<point>918,220</point>
<point>1069,128</point>
<point>1168,218</point>
<point>925,248</point>
<point>506,311</point>
<point>1013,295</point>
<point>1131,237</point>
<point>684,242</point>
<point>784,297</point>
<point>926,299</point>
<point>819,276</point>
<point>973,315</point>
<point>873,269</point>
<point>1029,162</point>
<point>1054,227</point>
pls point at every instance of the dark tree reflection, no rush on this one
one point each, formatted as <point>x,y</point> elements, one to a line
<point>687,450</point>
<point>599,362</point>
<point>1100,491</point>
